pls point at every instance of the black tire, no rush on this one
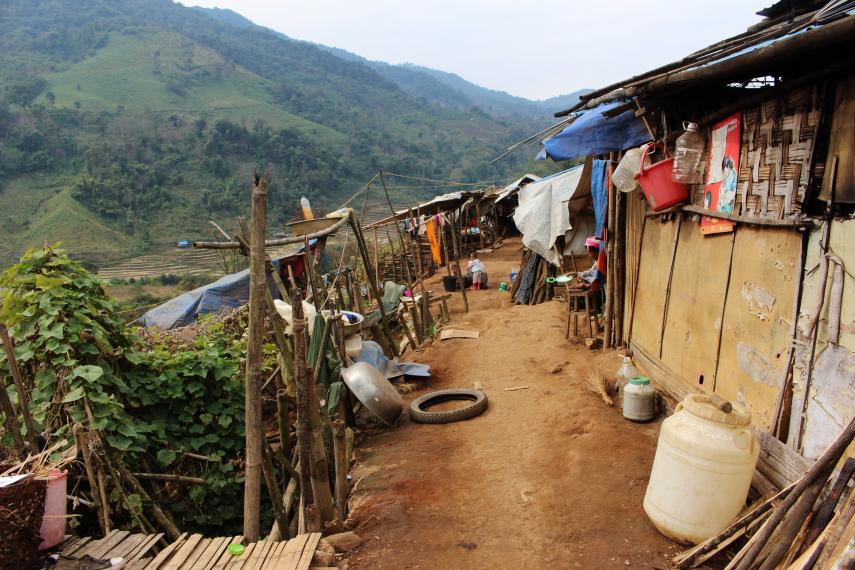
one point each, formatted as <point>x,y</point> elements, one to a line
<point>419,413</point>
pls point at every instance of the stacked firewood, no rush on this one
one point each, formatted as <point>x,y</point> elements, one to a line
<point>798,527</point>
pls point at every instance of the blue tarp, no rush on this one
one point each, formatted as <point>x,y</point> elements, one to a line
<point>598,193</point>
<point>229,291</point>
<point>593,134</point>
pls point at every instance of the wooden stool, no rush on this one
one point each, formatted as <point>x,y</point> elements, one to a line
<point>573,298</point>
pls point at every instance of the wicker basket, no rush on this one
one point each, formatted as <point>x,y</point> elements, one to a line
<point>22,506</point>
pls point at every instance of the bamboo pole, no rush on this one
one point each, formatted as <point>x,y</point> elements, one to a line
<point>23,399</point>
<point>635,284</point>
<point>275,492</point>
<point>396,224</point>
<point>818,471</point>
<point>372,284</point>
<point>723,308</point>
<point>301,381</point>
<point>620,263</point>
<point>376,254</point>
<point>272,242</point>
<point>319,466</point>
<point>610,259</point>
<point>670,279</point>
<point>255,340</point>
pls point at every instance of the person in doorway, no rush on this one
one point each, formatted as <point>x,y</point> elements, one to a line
<point>589,279</point>
<point>476,269</point>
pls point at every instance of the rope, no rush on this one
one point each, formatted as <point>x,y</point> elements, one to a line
<point>446,182</point>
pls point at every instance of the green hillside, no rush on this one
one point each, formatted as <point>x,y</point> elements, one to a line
<point>126,124</point>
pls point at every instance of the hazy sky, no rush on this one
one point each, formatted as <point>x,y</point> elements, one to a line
<point>530,49</point>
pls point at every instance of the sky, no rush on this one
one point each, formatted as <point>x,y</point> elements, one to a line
<point>530,49</point>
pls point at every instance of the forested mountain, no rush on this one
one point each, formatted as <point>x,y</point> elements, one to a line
<point>127,124</point>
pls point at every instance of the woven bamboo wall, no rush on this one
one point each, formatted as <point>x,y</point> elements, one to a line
<point>777,148</point>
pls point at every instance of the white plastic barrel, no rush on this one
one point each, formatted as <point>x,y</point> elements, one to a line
<point>702,470</point>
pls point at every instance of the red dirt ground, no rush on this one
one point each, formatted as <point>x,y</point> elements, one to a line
<point>548,477</point>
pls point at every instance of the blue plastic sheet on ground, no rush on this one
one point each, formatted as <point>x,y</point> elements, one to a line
<point>227,292</point>
<point>593,134</point>
<point>598,193</point>
<point>372,354</point>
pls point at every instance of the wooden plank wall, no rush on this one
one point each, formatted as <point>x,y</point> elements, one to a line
<point>757,319</point>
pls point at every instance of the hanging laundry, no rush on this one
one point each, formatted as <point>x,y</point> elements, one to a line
<point>430,231</point>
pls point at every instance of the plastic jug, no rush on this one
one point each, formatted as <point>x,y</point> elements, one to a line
<point>702,469</point>
<point>625,373</point>
<point>687,156</point>
<point>639,400</point>
<point>623,176</point>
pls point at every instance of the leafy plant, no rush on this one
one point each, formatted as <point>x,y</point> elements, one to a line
<point>153,401</point>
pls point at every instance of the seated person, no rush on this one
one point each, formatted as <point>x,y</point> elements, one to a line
<point>587,280</point>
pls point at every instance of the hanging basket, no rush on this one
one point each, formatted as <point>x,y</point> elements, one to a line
<point>22,507</point>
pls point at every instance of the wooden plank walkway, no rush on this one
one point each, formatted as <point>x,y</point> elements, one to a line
<point>194,552</point>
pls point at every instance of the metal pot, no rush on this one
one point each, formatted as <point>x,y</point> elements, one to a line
<point>370,387</point>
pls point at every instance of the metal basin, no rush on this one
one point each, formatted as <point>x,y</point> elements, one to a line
<point>370,387</point>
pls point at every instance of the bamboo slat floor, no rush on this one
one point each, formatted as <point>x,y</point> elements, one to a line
<point>194,552</point>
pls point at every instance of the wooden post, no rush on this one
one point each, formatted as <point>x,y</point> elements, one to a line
<point>254,355</point>
<point>455,240</point>
<point>301,381</point>
<point>162,518</point>
<point>341,468</point>
<point>23,400</point>
<point>443,241</point>
<point>86,453</point>
<point>11,420</point>
<point>419,253</point>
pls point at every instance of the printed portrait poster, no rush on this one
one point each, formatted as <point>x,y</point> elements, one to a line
<point>720,190</point>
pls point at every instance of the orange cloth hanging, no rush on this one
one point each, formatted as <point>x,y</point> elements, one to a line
<point>434,243</point>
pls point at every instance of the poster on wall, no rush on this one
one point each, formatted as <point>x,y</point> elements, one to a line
<point>720,189</point>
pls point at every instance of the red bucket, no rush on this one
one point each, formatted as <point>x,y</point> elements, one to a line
<point>655,181</point>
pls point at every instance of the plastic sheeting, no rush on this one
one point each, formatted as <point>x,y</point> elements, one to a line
<point>599,194</point>
<point>543,215</point>
<point>372,354</point>
<point>227,292</point>
<point>593,134</point>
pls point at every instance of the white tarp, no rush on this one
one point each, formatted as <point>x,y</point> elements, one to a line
<point>543,214</point>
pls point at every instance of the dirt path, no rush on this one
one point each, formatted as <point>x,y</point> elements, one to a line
<point>548,477</point>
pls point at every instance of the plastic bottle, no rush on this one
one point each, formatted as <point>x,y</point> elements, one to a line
<point>625,373</point>
<point>687,156</point>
